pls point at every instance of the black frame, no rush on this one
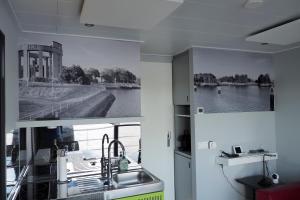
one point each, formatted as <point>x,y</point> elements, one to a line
<point>2,120</point>
<point>116,136</point>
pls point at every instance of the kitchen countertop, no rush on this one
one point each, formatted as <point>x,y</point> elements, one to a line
<point>84,180</point>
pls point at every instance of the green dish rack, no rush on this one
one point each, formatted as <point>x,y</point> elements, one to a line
<point>150,196</point>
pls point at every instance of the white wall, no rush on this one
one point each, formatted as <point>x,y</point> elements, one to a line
<point>251,130</point>
<point>9,27</point>
<point>157,110</point>
<point>287,69</point>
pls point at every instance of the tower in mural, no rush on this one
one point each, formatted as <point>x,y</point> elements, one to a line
<point>40,62</point>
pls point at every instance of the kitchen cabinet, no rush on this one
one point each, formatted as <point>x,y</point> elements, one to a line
<point>182,84</point>
<point>183,177</point>
<point>181,79</point>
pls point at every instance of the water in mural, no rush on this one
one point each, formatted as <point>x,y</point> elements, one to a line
<point>226,81</point>
<point>50,88</point>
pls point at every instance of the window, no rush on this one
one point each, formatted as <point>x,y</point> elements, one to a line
<point>130,136</point>
<point>89,138</point>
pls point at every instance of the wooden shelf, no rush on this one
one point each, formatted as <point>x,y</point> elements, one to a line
<point>245,159</point>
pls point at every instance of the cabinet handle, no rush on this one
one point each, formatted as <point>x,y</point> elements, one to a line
<point>187,98</point>
<point>189,164</point>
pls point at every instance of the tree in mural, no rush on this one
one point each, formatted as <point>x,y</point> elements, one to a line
<point>263,79</point>
<point>92,74</point>
<point>108,76</point>
<point>74,74</point>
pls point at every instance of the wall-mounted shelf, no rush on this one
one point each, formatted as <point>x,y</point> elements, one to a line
<point>183,153</point>
<point>180,115</point>
<point>246,159</point>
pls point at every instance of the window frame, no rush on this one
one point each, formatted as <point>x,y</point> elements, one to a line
<point>116,135</point>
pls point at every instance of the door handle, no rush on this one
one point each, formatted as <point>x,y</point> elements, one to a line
<point>169,139</point>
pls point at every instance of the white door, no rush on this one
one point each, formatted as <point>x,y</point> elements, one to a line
<point>157,110</point>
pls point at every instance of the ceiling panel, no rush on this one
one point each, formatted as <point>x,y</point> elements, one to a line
<point>39,28</point>
<point>38,19</point>
<point>215,23</point>
<point>70,7</point>
<point>48,7</point>
<point>284,8</point>
<point>135,14</point>
<point>205,26</point>
<point>282,35</point>
<point>231,15</point>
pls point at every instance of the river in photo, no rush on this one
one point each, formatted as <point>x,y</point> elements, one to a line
<point>127,103</point>
<point>233,99</point>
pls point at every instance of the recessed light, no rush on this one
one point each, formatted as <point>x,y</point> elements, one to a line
<point>251,4</point>
<point>89,25</point>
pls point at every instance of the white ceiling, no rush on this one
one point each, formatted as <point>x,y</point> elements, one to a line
<point>134,14</point>
<point>211,23</point>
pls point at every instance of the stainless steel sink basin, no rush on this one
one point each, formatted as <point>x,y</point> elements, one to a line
<point>132,178</point>
<point>131,183</point>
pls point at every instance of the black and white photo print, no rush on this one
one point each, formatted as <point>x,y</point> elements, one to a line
<point>232,81</point>
<point>62,77</point>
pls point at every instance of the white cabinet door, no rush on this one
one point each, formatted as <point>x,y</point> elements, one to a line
<point>183,178</point>
<point>181,79</point>
<point>157,110</point>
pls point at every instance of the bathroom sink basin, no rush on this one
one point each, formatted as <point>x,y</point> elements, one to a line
<point>132,178</point>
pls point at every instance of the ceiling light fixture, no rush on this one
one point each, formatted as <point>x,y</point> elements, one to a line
<point>89,25</point>
<point>251,4</point>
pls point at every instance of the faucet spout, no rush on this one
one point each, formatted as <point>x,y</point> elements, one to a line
<point>105,136</point>
<point>109,169</point>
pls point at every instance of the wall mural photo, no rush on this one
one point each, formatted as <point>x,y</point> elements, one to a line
<point>63,77</point>
<point>231,81</point>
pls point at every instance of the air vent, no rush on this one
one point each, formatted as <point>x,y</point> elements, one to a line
<point>284,34</point>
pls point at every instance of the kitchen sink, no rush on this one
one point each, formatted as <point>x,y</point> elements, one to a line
<point>132,178</point>
<point>130,183</point>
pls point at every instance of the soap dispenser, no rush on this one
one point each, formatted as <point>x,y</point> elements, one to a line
<point>123,163</point>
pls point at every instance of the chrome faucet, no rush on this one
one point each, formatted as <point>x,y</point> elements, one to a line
<point>105,136</point>
<point>109,167</point>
